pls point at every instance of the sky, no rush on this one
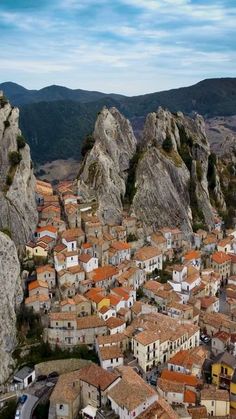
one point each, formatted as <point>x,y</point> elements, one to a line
<point>123,46</point>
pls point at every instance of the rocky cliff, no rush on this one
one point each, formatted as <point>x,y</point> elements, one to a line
<point>105,168</point>
<point>17,182</point>
<point>165,179</point>
<point>18,218</point>
<point>10,296</point>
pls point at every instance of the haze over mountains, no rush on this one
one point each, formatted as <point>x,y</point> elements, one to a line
<point>55,119</point>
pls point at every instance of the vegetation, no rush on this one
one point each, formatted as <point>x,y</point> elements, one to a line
<point>9,180</point>
<point>211,172</point>
<point>132,238</point>
<point>41,411</point>
<point>8,412</point>
<point>14,157</point>
<point>29,323</point>
<point>20,142</point>
<point>199,170</point>
<point>6,124</point>
<point>87,144</point>
<point>130,184</point>
<point>43,352</point>
<point>167,144</point>
<point>198,217</point>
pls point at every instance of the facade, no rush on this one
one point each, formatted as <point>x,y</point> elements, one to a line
<point>148,258</point>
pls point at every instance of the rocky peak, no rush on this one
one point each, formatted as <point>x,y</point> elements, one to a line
<point>104,170</point>
<point>17,182</point>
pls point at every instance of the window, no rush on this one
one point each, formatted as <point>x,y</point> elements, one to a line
<point>212,403</point>
<point>111,361</point>
<point>61,406</point>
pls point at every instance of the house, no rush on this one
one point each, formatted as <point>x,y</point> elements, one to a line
<point>233,263</point>
<point>25,375</point>
<point>225,245</point>
<point>148,258</point>
<point>216,401</point>
<point>106,312</point>
<point>210,243</point>
<point>191,382</point>
<point>42,189</point>
<point>159,241</point>
<point>188,361</point>
<point>115,325</point>
<point>210,304</point>
<point>73,237</point>
<point>100,249</point>
<point>67,330</point>
<point>216,322</point>
<point>38,302</point>
<point>160,409</point>
<point>193,257</point>
<point>179,273</point>
<point>118,339</point>
<point>104,276</point>
<point>88,262</point>
<point>119,251</point>
<point>65,400</point>
<point>110,357</point>
<point>224,374</point>
<point>183,312</point>
<point>47,273</point>
<point>221,262</point>
<point>38,288</point>
<point>95,384</point>
<point>39,250</point>
<point>131,396</point>
<point>132,277</point>
<point>92,226</point>
<point>78,304</point>
<point>175,393</point>
<point>47,230</point>
<point>155,337</point>
<point>219,343</point>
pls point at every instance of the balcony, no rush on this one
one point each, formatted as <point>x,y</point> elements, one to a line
<point>225,376</point>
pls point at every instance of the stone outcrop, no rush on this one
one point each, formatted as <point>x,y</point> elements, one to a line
<point>17,182</point>
<point>105,168</point>
<point>169,184</point>
<point>10,296</point>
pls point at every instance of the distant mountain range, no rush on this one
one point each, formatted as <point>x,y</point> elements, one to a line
<point>55,119</point>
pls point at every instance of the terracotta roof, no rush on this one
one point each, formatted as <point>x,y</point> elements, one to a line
<point>131,391</point>
<point>60,248</point>
<point>37,284</point>
<point>79,299</point>
<point>220,257</point>
<point>45,239</point>
<point>44,268</point>
<point>224,336</point>
<point>86,245</point>
<point>207,301</point>
<point>178,377</point>
<point>120,245</point>
<point>146,253</point>
<point>75,269</point>
<point>110,352</point>
<point>170,386</point>
<point>158,238</point>
<point>212,393</point>
<point>225,241</point>
<point>50,228</point>
<point>113,322</point>
<point>111,339</point>
<point>190,397</point>
<point>198,412</point>
<point>68,301</point>
<point>152,285</point>
<point>114,300</point>
<point>178,268</point>
<point>159,410</point>
<point>72,234</point>
<point>189,357</point>
<point>98,377</point>
<point>89,322</point>
<point>121,292</point>
<point>62,315</point>
<point>85,258</point>
<point>41,298</point>
<point>103,273</point>
<point>193,254</point>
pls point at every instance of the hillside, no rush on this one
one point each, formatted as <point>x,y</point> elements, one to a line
<point>56,119</point>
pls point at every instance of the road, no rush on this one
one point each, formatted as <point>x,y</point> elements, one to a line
<point>28,406</point>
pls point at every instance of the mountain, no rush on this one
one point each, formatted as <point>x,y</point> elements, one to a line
<point>55,119</point>
<point>164,180</point>
<point>19,95</point>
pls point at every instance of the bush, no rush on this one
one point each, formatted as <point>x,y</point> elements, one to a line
<point>14,157</point>
<point>87,145</point>
<point>131,238</point>
<point>20,142</point>
<point>167,144</point>
<point>199,170</point>
<point>9,180</point>
<point>6,124</point>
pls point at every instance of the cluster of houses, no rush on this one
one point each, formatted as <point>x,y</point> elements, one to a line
<point>103,286</point>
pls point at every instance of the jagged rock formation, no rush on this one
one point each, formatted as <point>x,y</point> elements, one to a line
<point>105,167</point>
<point>17,182</point>
<point>11,295</point>
<point>169,185</point>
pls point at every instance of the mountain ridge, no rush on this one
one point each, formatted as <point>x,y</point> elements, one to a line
<point>57,125</point>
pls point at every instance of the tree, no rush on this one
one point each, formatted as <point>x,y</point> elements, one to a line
<point>87,144</point>
<point>20,142</point>
<point>167,144</point>
<point>14,157</point>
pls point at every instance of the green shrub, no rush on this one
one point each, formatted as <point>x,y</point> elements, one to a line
<point>6,123</point>
<point>9,180</point>
<point>167,144</point>
<point>20,142</point>
<point>131,238</point>
<point>14,157</point>
<point>87,144</point>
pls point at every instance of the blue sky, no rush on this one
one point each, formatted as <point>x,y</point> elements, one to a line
<point>123,46</point>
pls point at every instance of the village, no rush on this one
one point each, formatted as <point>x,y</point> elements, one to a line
<point>158,308</point>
